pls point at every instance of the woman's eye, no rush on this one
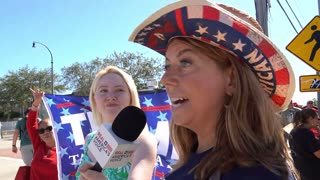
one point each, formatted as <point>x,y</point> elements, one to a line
<point>103,90</point>
<point>185,63</point>
<point>165,67</point>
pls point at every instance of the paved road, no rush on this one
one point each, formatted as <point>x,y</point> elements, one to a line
<point>9,161</point>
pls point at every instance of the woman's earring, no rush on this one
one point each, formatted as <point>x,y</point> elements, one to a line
<point>227,100</point>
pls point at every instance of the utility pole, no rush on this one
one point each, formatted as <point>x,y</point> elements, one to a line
<point>262,8</point>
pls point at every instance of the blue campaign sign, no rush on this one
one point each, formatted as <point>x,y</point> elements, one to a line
<point>73,120</point>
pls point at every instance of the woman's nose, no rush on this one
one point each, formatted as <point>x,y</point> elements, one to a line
<point>111,97</point>
<point>169,78</point>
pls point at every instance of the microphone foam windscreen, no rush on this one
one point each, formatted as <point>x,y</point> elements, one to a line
<point>129,123</point>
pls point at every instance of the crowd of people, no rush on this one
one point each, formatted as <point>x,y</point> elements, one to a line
<point>303,138</point>
<point>222,76</point>
<point>304,145</point>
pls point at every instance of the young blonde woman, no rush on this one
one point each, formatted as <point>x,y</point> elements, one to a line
<point>226,81</point>
<point>111,91</point>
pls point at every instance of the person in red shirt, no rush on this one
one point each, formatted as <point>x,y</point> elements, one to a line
<point>44,164</point>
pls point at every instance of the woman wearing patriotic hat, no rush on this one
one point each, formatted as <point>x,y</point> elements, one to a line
<point>226,81</point>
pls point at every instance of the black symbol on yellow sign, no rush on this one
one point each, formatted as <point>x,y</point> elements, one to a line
<point>315,84</point>
<point>310,83</point>
<point>315,36</point>
<point>307,43</point>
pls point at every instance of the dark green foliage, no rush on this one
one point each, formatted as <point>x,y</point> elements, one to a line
<point>15,96</point>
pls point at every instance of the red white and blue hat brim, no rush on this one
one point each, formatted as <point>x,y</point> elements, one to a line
<point>213,24</point>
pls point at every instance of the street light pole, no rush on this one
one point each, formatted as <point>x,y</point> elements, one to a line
<point>34,46</point>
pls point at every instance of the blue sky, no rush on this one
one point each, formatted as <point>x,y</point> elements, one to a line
<point>79,31</point>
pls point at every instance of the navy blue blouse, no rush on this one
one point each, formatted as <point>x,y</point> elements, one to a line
<point>257,172</point>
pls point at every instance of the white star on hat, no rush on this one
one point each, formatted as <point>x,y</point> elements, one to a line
<point>220,36</point>
<point>239,45</point>
<point>202,30</point>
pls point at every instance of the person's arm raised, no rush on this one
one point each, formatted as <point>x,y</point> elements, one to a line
<point>32,121</point>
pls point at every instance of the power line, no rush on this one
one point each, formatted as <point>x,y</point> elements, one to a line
<point>294,14</point>
<point>287,16</point>
<point>301,15</point>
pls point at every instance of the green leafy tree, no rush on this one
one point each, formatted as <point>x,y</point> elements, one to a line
<point>79,76</point>
<point>14,88</point>
<point>315,102</point>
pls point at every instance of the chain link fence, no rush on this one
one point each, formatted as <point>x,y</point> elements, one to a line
<point>7,129</point>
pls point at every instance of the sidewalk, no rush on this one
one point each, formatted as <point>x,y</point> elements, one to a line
<point>9,161</point>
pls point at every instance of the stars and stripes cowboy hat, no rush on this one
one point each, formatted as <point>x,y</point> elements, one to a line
<point>227,28</point>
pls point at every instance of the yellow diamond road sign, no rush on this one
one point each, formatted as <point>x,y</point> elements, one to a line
<point>306,45</point>
<point>309,83</point>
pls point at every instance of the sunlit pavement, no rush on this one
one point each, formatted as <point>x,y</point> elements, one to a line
<point>9,161</point>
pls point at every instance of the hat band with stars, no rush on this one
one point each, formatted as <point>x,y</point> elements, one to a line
<point>215,24</point>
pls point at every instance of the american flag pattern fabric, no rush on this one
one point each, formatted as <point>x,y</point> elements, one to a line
<point>213,24</point>
<point>73,120</point>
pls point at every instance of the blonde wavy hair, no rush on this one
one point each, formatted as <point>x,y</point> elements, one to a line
<point>248,130</point>
<point>128,80</point>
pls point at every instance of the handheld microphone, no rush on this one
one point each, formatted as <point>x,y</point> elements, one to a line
<point>113,145</point>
